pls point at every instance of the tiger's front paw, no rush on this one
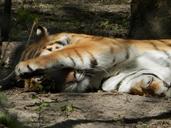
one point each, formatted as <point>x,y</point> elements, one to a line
<point>27,69</point>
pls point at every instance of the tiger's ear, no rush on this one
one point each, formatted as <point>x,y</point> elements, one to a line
<point>41,32</point>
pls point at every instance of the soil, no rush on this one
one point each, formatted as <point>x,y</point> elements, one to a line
<point>89,110</point>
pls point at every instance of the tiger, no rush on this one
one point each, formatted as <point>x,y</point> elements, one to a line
<point>141,67</point>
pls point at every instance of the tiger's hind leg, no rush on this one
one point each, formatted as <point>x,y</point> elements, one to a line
<point>145,85</point>
<point>153,87</point>
<point>138,83</point>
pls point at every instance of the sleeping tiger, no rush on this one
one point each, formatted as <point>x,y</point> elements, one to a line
<point>140,67</point>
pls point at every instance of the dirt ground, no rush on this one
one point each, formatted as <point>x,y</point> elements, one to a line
<point>89,110</point>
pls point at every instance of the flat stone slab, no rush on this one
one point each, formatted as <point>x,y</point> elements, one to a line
<point>89,110</point>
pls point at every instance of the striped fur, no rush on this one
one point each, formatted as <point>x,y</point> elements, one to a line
<point>134,66</point>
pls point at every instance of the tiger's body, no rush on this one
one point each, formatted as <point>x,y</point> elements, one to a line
<point>134,66</point>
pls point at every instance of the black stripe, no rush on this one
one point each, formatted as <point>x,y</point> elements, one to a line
<point>93,60</point>
<point>79,55</point>
<point>62,43</point>
<point>38,52</point>
<point>165,42</point>
<point>127,54</point>
<point>30,69</point>
<point>93,63</point>
<point>73,61</point>
<point>165,52</point>
<point>75,74</point>
<point>155,46</point>
<point>118,85</point>
<point>33,53</point>
<point>114,60</point>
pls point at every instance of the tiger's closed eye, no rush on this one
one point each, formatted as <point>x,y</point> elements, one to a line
<point>60,42</point>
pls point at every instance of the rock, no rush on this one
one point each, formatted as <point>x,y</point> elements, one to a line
<point>150,19</point>
<point>97,110</point>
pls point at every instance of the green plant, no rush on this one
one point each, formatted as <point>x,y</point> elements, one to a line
<point>3,99</point>
<point>10,120</point>
<point>42,106</point>
<point>25,17</point>
<point>67,109</point>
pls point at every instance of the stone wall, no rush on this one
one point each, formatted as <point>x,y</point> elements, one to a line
<point>98,17</point>
<point>151,19</point>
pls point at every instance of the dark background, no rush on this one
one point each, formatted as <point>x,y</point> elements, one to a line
<point>142,19</point>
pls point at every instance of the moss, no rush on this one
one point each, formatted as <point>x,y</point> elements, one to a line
<point>3,99</point>
<point>10,120</point>
<point>7,119</point>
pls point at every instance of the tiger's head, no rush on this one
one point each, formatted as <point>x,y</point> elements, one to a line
<point>42,45</point>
